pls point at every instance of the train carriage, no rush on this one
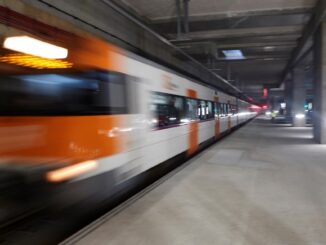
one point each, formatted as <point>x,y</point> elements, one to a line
<point>100,114</point>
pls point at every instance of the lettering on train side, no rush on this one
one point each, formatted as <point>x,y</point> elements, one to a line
<point>168,84</point>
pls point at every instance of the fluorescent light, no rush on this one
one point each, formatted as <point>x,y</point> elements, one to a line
<point>269,48</point>
<point>300,116</point>
<point>32,46</point>
<point>233,54</point>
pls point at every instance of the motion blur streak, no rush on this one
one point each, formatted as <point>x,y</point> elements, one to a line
<point>97,131</point>
<point>69,172</point>
<point>35,62</point>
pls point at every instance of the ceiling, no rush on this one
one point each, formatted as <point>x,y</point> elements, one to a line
<point>265,31</point>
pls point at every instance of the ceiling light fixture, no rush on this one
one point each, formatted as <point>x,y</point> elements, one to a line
<point>233,54</point>
<point>269,48</point>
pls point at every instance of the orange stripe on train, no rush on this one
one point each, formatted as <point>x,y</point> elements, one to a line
<point>193,128</point>
<point>66,138</point>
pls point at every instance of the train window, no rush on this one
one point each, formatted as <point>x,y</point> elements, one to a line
<point>166,109</point>
<point>117,97</point>
<point>205,110</point>
<point>88,93</point>
<point>202,110</point>
<point>223,109</point>
<point>216,109</point>
<point>134,93</point>
<point>192,110</point>
<point>234,109</point>
<point>210,113</point>
<point>227,110</point>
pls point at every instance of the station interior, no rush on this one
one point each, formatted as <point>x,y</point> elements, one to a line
<point>163,122</point>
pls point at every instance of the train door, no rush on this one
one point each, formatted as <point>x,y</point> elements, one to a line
<point>193,128</point>
<point>217,118</point>
<point>135,129</point>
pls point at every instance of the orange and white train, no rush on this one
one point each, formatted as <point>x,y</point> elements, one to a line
<point>100,112</point>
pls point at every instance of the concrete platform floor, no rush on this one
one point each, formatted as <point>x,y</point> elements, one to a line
<point>264,184</point>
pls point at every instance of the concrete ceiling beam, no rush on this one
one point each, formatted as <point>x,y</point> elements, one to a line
<point>236,22</point>
<point>303,47</point>
<point>236,33</point>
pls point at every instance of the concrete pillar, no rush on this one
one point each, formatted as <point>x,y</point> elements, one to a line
<point>299,96</point>
<point>288,100</point>
<point>271,101</point>
<point>319,97</point>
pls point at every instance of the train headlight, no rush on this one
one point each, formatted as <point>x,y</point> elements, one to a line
<point>32,46</point>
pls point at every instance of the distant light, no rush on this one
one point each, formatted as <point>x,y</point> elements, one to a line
<point>309,106</point>
<point>126,129</point>
<point>69,172</point>
<point>283,105</point>
<point>265,92</point>
<point>185,120</point>
<point>172,118</point>
<point>255,107</point>
<point>264,106</point>
<point>300,116</point>
<point>32,46</point>
<point>267,113</point>
<point>203,111</point>
<point>234,54</point>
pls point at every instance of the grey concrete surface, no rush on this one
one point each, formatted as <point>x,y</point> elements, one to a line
<point>265,184</point>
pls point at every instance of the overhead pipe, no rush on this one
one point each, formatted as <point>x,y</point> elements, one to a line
<point>186,15</point>
<point>178,19</point>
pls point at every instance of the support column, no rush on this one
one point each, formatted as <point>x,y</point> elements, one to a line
<point>288,100</point>
<point>319,107</point>
<point>299,96</point>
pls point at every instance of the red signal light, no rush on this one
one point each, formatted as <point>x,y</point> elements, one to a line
<point>265,92</point>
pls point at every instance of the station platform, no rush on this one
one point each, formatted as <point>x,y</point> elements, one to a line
<point>263,184</point>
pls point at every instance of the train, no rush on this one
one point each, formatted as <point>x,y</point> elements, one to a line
<point>99,116</point>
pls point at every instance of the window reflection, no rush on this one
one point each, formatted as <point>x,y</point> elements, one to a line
<point>170,110</point>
